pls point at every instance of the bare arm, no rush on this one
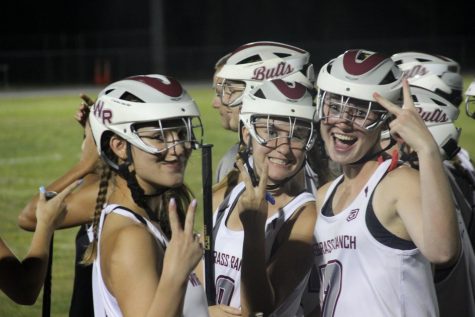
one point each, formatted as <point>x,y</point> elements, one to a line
<point>22,281</point>
<point>434,229</point>
<point>137,280</point>
<point>81,204</point>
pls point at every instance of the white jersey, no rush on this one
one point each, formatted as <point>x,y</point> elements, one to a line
<point>228,248</point>
<point>456,291</point>
<point>362,276</point>
<point>105,304</point>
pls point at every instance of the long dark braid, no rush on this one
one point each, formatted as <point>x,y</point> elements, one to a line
<point>91,251</point>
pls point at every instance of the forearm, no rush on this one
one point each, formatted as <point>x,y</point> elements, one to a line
<point>257,294</point>
<point>27,217</point>
<point>441,236</point>
<point>168,299</point>
<point>22,281</point>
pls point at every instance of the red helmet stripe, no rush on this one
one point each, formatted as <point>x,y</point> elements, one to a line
<point>296,92</point>
<point>356,68</point>
<point>173,89</point>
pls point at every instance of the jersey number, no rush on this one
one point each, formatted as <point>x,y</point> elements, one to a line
<point>331,279</point>
<point>224,290</point>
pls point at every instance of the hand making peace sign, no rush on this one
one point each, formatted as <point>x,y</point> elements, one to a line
<point>408,126</point>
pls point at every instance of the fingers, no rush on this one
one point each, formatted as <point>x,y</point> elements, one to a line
<point>264,176</point>
<point>65,192</point>
<point>42,190</point>
<point>173,216</point>
<point>406,92</point>
<point>190,218</point>
<point>244,174</point>
<point>89,102</point>
<point>386,104</point>
<point>230,310</point>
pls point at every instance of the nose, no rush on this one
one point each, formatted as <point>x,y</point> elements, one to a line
<point>176,143</point>
<point>283,145</point>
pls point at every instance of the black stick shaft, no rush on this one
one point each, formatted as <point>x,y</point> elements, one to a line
<point>207,175</point>
<point>46,308</point>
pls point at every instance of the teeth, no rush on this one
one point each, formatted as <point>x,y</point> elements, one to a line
<point>277,161</point>
<point>344,137</point>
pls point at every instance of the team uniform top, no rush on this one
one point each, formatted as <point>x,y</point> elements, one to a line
<point>456,288</point>
<point>365,270</point>
<point>105,304</point>
<point>228,245</point>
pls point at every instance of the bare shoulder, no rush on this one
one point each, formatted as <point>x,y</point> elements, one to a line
<point>218,196</point>
<point>401,182</point>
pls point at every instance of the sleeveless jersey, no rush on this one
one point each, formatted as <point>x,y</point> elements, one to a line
<point>228,247</point>
<point>456,291</point>
<point>360,276</point>
<point>105,304</point>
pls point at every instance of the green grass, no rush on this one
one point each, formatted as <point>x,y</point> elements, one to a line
<point>39,140</point>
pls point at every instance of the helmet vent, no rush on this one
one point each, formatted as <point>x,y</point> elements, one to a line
<point>388,79</point>
<point>414,98</point>
<point>260,94</point>
<point>422,60</point>
<point>438,102</point>
<point>282,55</point>
<point>250,59</point>
<point>130,97</point>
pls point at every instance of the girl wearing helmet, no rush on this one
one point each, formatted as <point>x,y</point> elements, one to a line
<point>143,129</point>
<point>378,228</point>
<point>263,228</point>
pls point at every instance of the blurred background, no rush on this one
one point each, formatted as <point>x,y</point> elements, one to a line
<point>94,42</point>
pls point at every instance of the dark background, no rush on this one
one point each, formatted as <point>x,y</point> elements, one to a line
<point>64,42</point>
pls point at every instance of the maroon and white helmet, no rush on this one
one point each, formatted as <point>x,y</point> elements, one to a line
<point>439,116</point>
<point>143,99</point>
<point>255,62</point>
<point>288,102</point>
<point>352,78</point>
<point>436,73</point>
<point>470,100</point>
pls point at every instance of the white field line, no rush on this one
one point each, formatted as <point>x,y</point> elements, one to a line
<point>30,159</point>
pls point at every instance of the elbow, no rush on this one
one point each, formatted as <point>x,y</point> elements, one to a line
<point>27,221</point>
<point>446,256</point>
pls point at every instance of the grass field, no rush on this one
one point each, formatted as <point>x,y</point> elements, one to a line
<point>39,140</point>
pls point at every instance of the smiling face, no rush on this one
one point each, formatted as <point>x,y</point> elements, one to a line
<point>167,168</point>
<point>283,149</point>
<point>344,129</point>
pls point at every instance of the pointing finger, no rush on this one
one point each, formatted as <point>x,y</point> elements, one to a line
<point>190,218</point>
<point>244,174</point>
<point>406,91</point>
<point>386,104</point>
<point>173,217</point>
<point>65,192</point>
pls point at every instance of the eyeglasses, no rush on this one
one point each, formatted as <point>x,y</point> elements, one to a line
<point>169,134</point>
<point>299,134</point>
<point>229,92</point>
<point>360,113</point>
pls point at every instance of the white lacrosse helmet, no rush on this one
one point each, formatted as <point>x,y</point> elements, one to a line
<point>437,73</point>
<point>470,99</point>
<point>255,62</point>
<point>357,74</point>
<point>284,101</point>
<point>142,99</point>
<point>438,115</point>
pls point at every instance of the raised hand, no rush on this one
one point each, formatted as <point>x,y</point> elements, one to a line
<point>53,211</point>
<point>84,108</point>
<point>252,204</point>
<point>408,126</point>
<point>184,250</point>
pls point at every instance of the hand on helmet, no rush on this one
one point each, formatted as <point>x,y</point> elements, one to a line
<point>408,126</point>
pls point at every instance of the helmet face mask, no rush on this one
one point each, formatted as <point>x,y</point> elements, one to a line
<point>269,131</point>
<point>362,114</point>
<point>470,100</point>
<point>230,92</point>
<point>159,137</point>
